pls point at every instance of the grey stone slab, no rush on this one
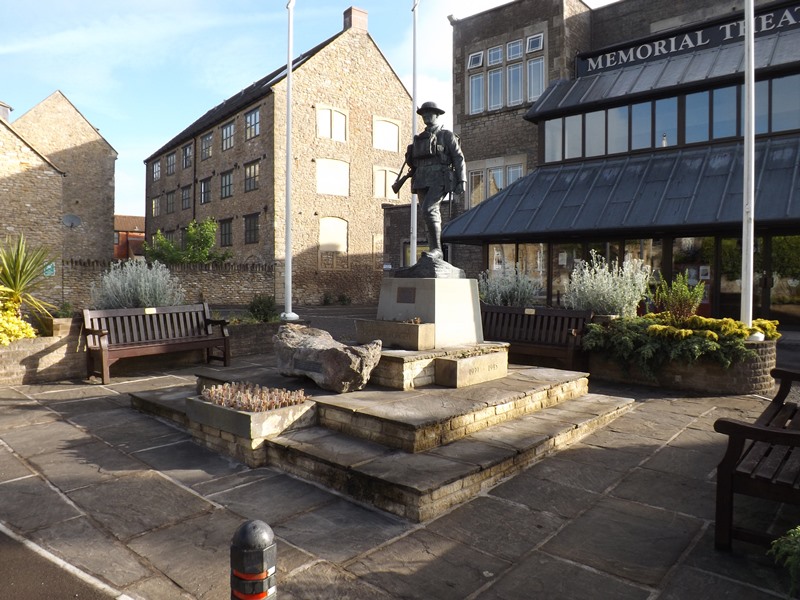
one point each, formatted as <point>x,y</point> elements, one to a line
<point>138,503</point>
<point>691,583</point>
<point>424,411</point>
<point>56,392</point>
<point>543,495</point>
<point>291,558</point>
<point>11,467</point>
<point>421,472</point>
<point>592,477</point>
<point>15,415</point>
<point>140,432</point>
<point>640,445</point>
<point>46,437</point>
<point>520,434</point>
<point>72,408</point>
<point>10,395</point>
<point>189,463</point>
<point>626,539</point>
<point>654,425</point>
<point>698,464</point>
<point>333,447</point>
<point>425,565</point>
<point>700,439</point>
<point>498,527</point>
<point>666,490</point>
<point>82,545</point>
<point>323,581</point>
<point>226,483</point>
<point>611,458</point>
<point>85,464</point>
<point>693,407</point>
<point>97,420</point>
<point>274,499</point>
<point>474,452</point>
<point>542,576</point>
<point>29,504</point>
<point>138,384</point>
<point>157,588</point>
<point>340,530</point>
<point>369,397</point>
<point>194,553</point>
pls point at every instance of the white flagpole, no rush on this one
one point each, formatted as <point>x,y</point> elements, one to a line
<point>748,200</point>
<point>288,315</point>
<point>413,235</point>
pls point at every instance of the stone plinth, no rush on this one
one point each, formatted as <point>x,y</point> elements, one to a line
<point>452,305</point>
<point>459,372</point>
<point>395,335</point>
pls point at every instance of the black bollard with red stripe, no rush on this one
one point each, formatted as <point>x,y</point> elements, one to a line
<point>253,561</point>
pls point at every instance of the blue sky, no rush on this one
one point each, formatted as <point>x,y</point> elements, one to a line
<point>142,70</point>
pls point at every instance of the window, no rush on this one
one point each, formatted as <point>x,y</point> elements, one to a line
<point>116,238</point>
<point>513,172</point>
<point>595,133</point>
<point>157,170</point>
<point>697,117</point>
<point>535,43</point>
<point>205,146</point>
<point>228,131</point>
<point>385,135</point>
<point>475,60</point>
<point>666,133</point>
<point>723,111</point>
<point>155,207</point>
<point>252,124</point>
<point>226,232</point>
<point>573,137</point>
<point>553,140</point>
<point>186,154</point>
<point>170,200</point>
<point>205,191</point>
<point>382,180</point>
<point>494,56</point>
<point>476,100</point>
<point>514,50</point>
<point>514,76</point>
<point>535,78</point>
<point>641,126</point>
<point>495,89</point>
<point>251,171</point>
<point>333,177</point>
<point>476,189</point>
<point>251,229</point>
<point>332,243</point>
<point>494,181</point>
<point>785,109</point>
<point>169,235</point>
<point>186,197</point>
<point>618,130</point>
<point>331,124</point>
<point>171,163</point>
<point>226,184</point>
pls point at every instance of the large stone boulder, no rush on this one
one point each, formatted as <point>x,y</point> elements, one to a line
<point>313,353</point>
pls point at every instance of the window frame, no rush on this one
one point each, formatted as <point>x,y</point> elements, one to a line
<point>476,58</point>
<point>170,168</point>
<point>205,190</point>
<point>251,232</point>
<point>186,155</point>
<point>206,145</point>
<point>494,56</point>
<point>516,55</point>
<point>534,43</point>
<point>169,202</point>
<point>494,77</point>
<point>186,197</point>
<point>477,77</point>
<point>252,124</point>
<point>226,184</point>
<point>332,131</point>
<point>156,169</point>
<point>251,179</point>
<point>228,132</point>
<point>225,233</point>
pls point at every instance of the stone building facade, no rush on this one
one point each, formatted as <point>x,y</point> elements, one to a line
<point>349,115</point>
<point>58,130</point>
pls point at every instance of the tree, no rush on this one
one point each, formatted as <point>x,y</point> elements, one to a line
<point>198,247</point>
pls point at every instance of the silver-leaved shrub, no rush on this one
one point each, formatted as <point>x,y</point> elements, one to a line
<point>510,287</point>
<point>135,284</point>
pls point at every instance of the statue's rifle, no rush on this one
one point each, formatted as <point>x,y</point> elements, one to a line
<point>401,179</point>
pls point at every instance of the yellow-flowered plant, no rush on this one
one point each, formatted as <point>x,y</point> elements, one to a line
<point>12,327</point>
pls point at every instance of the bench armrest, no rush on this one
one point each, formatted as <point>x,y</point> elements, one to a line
<point>758,433</point>
<point>221,322</point>
<point>100,332</point>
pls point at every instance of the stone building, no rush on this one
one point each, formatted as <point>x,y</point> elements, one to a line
<point>638,149</point>
<point>350,113</point>
<point>58,130</point>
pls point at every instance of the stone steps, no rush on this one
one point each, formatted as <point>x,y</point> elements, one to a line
<point>416,453</point>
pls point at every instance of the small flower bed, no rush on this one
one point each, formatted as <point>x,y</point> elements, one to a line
<point>652,340</point>
<point>250,397</point>
<point>12,326</point>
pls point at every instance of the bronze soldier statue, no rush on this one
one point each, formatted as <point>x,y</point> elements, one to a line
<point>437,168</point>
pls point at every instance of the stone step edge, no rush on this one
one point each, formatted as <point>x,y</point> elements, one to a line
<point>419,506</point>
<point>395,434</point>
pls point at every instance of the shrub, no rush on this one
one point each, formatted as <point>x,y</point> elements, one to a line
<point>652,340</point>
<point>198,246</point>
<point>510,287</point>
<point>263,308</point>
<point>786,551</point>
<point>251,397</point>
<point>607,289</point>
<point>135,284</point>
<point>12,327</point>
<point>21,274</point>
<point>679,299</point>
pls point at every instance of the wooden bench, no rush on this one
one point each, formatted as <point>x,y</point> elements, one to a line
<point>120,333</point>
<point>762,460</point>
<point>541,332</point>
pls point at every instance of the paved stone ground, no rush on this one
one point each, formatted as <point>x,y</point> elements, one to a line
<point>625,513</point>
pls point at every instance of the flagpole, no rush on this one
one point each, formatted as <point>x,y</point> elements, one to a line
<point>288,315</point>
<point>748,194</point>
<point>414,201</point>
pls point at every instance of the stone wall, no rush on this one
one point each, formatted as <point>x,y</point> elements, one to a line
<point>704,377</point>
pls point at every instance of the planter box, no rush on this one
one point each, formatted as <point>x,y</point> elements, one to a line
<point>751,376</point>
<point>397,335</point>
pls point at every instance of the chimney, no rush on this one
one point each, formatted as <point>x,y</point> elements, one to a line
<point>355,18</point>
<point>5,111</point>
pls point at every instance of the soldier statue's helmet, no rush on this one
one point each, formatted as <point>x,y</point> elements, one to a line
<point>429,107</point>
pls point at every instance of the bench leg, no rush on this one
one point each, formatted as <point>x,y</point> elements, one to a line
<point>723,522</point>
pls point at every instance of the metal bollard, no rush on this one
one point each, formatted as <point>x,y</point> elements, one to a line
<point>253,560</point>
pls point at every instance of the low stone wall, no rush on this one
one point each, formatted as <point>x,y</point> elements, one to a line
<point>63,356</point>
<point>706,377</point>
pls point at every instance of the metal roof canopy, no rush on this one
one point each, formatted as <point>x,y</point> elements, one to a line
<point>685,190</point>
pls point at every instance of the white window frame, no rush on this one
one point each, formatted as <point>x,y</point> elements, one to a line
<point>186,156</point>
<point>541,79</point>
<point>475,60</point>
<point>332,123</point>
<point>535,43</point>
<point>228,132</point>
<point>157,170</point>
<point>477,102</point>
<point>382,180</point>
<point>494,95</point>
<point>514,50</point>
<point>515,93</point>
<point>385,134</point>
<point>494,56</point>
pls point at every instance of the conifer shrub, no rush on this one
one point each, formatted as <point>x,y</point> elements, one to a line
<point>135,284</point>
<point>263,308</point>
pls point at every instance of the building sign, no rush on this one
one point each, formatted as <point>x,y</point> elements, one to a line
<point>787,17</point>
<point>50,269</point>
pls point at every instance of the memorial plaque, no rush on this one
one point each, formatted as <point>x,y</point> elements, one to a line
<point>406,295</point>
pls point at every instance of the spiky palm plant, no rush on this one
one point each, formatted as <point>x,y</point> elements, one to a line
<point>21,274</point>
